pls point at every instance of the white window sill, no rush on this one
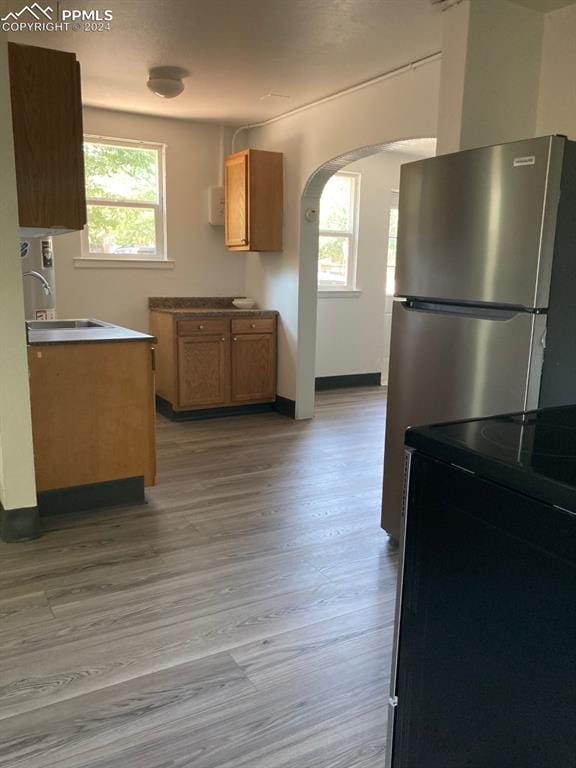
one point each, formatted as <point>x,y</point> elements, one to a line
<point>90,263</point>
<point>327,293</point>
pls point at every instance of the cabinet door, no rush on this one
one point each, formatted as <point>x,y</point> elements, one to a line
<point>266,191</point>
<point>253,367</point>
<point>236,194</point>
<point>47,122</point>
<point>203,370</point>
<point>93,414</point>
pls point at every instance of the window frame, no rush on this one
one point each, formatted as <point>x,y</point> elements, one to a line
<point>159,208</point>
<point>352,235</point>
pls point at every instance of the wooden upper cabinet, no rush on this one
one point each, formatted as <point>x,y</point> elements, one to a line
<point>236,210</point>
<point>253,188</point>
<point>48,139</point>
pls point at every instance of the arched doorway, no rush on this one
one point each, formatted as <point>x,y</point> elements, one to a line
<point>309,244</point>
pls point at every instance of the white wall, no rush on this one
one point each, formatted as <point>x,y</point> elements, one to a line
<point>353,333</point>
<point>203,267</point>
<point>490,69</point>
<point>455,27</point>
<point>557,94</point>
<point>17,483</point>
<point>401,107</point>
<point>507,73</point>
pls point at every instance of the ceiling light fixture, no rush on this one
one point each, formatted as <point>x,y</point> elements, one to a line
<point>166,82</point>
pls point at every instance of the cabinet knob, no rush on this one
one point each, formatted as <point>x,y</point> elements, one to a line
<point>253,325</point>
<point>223,338</point>
<point>235,339</point>
<point>201,327</point>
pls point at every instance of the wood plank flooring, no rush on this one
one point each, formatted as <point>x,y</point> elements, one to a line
<point>241,619</point>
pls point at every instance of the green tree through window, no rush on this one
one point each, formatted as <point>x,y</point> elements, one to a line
<point>337,244</point>
<point>124,196</point>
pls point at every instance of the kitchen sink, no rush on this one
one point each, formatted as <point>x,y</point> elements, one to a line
<point>64,325</point>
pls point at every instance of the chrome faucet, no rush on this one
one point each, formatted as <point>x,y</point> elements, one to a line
<point>45,284</point>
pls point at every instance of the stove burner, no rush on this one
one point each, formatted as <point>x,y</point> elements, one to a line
<point>527,438</point>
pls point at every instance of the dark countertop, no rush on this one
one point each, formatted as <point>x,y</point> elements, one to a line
<point>105,333</point>
<point>191,302</point>
<point>532,452</point>
<point>204,306</point>
<point>185,312</point>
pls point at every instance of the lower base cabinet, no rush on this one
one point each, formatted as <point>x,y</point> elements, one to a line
<point>203,370</point>
<point>253,367</point>
<point>93,417</point>
<point>214,362</point>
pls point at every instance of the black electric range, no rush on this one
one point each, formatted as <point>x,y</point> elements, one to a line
<point>484,664</point>
<point>532,452</point>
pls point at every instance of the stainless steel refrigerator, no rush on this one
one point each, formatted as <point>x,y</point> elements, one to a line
<point>484,315</point>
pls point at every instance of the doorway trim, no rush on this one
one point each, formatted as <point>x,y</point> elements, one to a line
<point>308,263</point>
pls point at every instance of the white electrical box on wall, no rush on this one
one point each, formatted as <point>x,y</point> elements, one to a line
<point>216,206</point>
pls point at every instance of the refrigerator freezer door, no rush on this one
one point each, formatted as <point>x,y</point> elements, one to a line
<point>478,226</point>
<point>447,366</point>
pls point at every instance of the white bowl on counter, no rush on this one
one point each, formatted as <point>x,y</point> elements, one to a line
<point>244,303</point>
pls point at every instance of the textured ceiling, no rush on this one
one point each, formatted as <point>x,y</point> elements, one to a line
<point>546,6</point>
<point>237,51</point>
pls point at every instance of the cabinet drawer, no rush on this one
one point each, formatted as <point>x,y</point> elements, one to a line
<point>256,325</point>
<point>190,327</point>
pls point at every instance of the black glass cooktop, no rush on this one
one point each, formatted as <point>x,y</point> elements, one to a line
<point>535,444</point>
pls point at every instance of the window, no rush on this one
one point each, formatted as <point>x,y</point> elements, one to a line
<point>392,244</point>
<point>338,233</point>
<point>125,199</point>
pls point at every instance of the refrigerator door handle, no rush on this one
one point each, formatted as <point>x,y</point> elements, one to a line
<point>543,339</point>
<point>462,310</point>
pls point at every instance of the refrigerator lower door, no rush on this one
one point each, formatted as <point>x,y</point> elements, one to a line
<point>448,363</point>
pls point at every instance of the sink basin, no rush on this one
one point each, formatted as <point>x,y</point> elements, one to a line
<point>61,325</point>
<point>83,330</point>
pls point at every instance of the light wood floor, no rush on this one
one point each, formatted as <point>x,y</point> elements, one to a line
<point>242,619</point>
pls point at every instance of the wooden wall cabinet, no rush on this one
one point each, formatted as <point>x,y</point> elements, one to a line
<point>214,362</point>
<point>253,190</point>
<point>48,139</point>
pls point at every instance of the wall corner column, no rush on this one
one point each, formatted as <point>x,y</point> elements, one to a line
<point>491,57</point>
<point>18,512</point>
